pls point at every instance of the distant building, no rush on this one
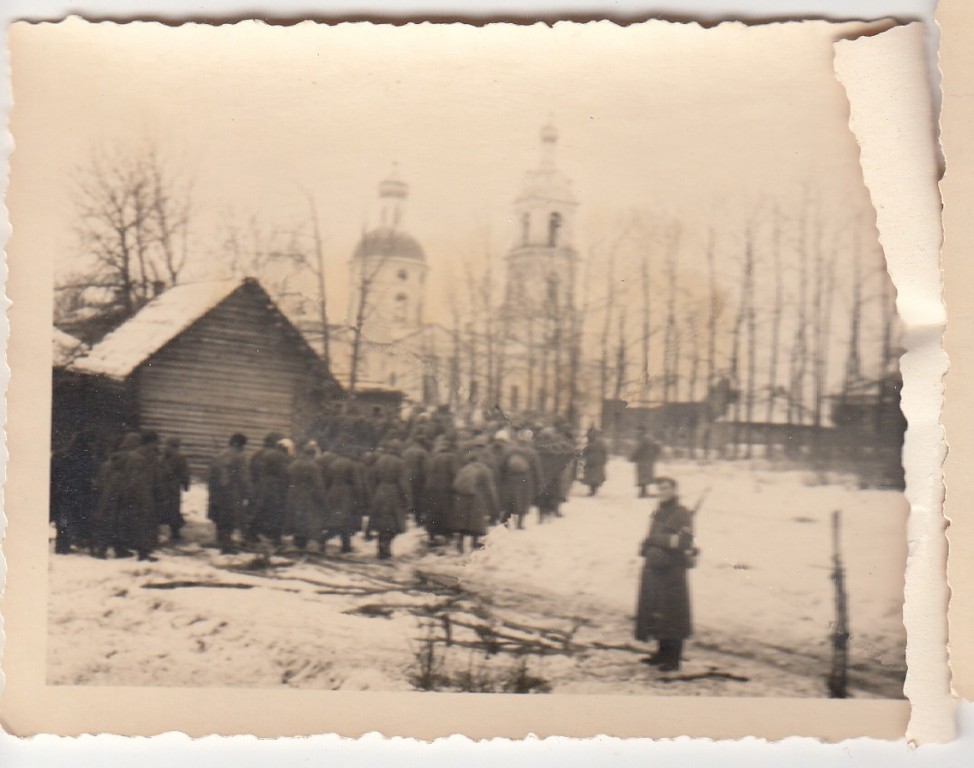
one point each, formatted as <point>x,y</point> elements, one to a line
<point>201,361</point>
<point>398,350</point>
<point>539,296</point>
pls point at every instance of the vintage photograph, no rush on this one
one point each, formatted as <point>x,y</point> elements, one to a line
<point>446,359</point>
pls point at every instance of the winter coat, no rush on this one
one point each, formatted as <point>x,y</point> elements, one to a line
<point>269,483</point>
<point>344,496</point>
<point>663,610</point>
<point>416,461</point>
<point>645,456</point>
<point>440,496</point>
<point>595,454</point>
<point>105,523</point>
<point>138,498</point>
<point>555,455</point>
<point>229,488</point>
<point>476,500</point>
<point>305,498</point>
<point>72,482</point>
<point>520,479</point>
<point>173,480</point>
<point>391,497</point>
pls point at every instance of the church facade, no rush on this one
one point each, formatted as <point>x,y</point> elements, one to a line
<point>542,333</point>
<point>386,342</point>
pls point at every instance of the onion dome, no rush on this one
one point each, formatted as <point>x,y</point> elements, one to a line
<point>389,243</point>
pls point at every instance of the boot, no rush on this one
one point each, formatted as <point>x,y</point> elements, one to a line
<point>146,556</point>
<point>671,650</point>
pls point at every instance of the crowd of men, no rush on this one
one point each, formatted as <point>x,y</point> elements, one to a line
<point>455,483</point>
<point>371,476</point>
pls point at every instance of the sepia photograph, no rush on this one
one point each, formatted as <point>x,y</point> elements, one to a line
<point>461,360</point>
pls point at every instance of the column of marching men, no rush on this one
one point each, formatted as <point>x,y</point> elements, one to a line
<point>368,477</point>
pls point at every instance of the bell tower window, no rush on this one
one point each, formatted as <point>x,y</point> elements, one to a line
<point>401,308</point>
<point>554,224</point>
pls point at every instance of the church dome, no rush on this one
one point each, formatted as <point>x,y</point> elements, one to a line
<point>390,243</point>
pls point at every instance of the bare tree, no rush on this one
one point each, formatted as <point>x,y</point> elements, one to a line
<point>133,218</point>
<point>610,300</point>
<point>671,339</point>
<point>644,338</point>
<point>364,282</point>
<point>749,268</point>
<point>798,359</point>
<point>853,363</point>
<point>777,310</point>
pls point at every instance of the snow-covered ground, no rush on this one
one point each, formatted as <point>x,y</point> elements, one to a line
<point>547,608</point>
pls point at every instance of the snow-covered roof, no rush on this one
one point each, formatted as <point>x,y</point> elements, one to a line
<point>66,348</point>
<point>152,327</point>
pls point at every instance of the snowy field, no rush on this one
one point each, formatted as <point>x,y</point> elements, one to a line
<point>547,609</point>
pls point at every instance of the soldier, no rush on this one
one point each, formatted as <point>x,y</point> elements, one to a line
<point>229,491</point>
<point>268,479</point>
<point>72,492</point>
<point>596,454</point>
<point>107,529</point>
<point>645,456</point>
<point>663,611</point>
<point>416,460</point>
<point>173,480</point>
<point>476,501</point>
<point>344,500</point>
<point>440,496</point>
<point>139,497</point>
<point>305,497</point>
<point>520,476</point>
<point>555,454</point>
<point>390,499</point>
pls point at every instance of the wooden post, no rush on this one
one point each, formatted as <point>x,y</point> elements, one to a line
<point>838,677</point>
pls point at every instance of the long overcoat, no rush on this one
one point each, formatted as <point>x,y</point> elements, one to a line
<point>520,478</point>
<point>596,454</point>
<point>344,496</point>
<point>391,497</point>
<point>644,456</point>
<point>663,610</point>
<point>555,455</point>
<point>138,497</point>
<point>440,496</point>
<point>108,486</point>
<point>229,488</point>
<point>269,481</point>
<point>474,510</point>
<point>72,490</point>
<point>173,480</point>
<point>416,461</point>
<point>305,498</point>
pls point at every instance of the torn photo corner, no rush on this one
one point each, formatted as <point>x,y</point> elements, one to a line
<point>496,380</point>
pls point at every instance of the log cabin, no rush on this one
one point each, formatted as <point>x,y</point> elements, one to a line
<point>200,362</point>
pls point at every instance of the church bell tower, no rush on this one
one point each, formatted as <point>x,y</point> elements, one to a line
<point>542,258</point>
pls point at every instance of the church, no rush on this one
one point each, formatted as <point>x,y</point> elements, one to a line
<point>386,342</point>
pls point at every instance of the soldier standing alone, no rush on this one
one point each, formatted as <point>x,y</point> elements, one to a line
<point>663,611</point>
<point>645,456</point>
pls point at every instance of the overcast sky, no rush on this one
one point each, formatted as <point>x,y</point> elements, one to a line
<point>712,127</point>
